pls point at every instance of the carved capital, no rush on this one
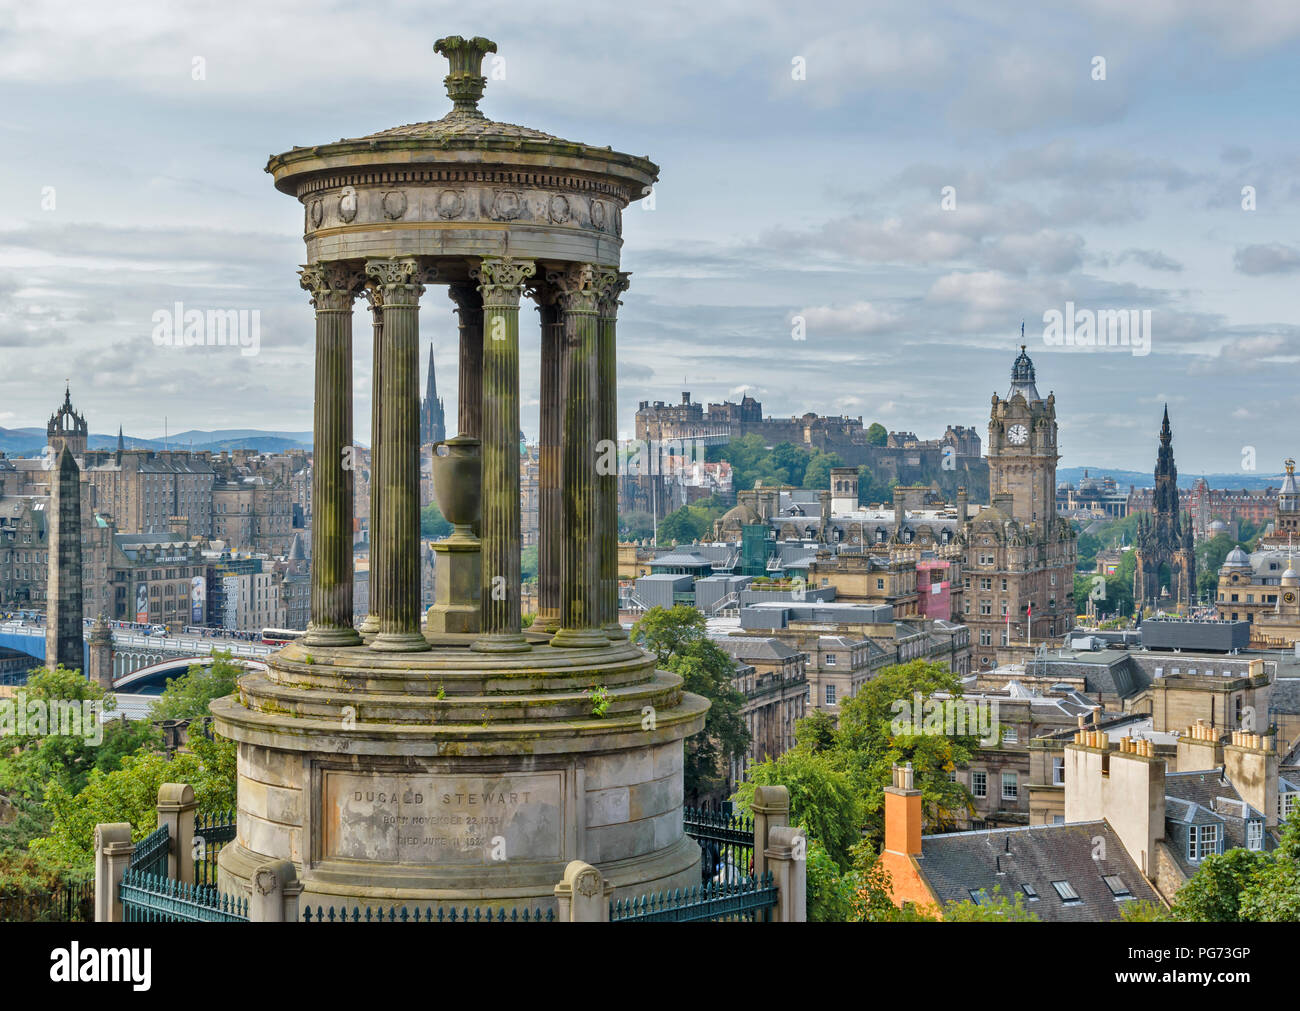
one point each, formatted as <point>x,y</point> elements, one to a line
<point>332,285</point>
<point>469,303</point>
<point>501,281</point>
<point>580,287</point>
<point>400,279</point>
<point>612,283</point>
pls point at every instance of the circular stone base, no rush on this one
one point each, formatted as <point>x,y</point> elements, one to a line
<point>459,778</point>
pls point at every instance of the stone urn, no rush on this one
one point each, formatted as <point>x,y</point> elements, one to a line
<point>457,484</point>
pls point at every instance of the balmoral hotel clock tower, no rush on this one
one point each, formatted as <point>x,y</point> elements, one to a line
<point>1019,554</point>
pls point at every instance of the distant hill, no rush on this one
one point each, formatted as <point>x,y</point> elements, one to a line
<point>1145,479</point>
<point>30,441</point>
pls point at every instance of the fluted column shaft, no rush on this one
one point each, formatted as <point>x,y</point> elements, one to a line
<point>376,299</point>
<point>333,287</point>
<point>549,464</point>
<point>396,583</point>
<point>469,392</point>
<point>581,622</point>
<point>613,283</point>
<point>501,282</point>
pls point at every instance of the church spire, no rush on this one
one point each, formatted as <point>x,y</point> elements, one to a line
<point>433,426</point>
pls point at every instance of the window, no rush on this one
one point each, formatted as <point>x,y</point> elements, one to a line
<point>1117,887</point>
<point>986,637</point>
<point>1010,786</point>
<point>979,784</point>
<point>830,695</point>
<point>1285,805</point>
<point>1031,893</point>
<point>978,895</point>
<point>1058,771</point>
<point>1254,835</point>
<point>830,659</point>
<point>1010,735</point>
<point>880,584</point>
<point>1202,841</point>
<point>1058,819</point>
<point>1066,891</point>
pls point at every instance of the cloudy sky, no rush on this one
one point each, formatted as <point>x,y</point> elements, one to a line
<point>1111,185</point>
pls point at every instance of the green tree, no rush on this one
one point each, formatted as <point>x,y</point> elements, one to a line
<point>187,697</point>
<point>822,798</point>
<point>994,907</point>
<point>432,524</point>
<point>130,794</point>
<point>867,744</point>
<point>818,473</point>
<point>876,434</point>
<point>816,731</point>
<point>528,563</point>
<point>677,638</point>
<point>1213,894</point>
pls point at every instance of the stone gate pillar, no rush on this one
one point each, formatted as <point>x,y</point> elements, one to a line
<point>501,282</point>
<point>398,584</point>
<point>333,287</point>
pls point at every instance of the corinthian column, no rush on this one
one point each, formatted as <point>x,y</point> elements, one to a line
<point>581,620</point>
<point>549,505</point>
<point>612,284</point>
<point>469,390</point>
<point>501,282</point>
<point>396,591</point>
<point>376,299</point>
<point>333,287</point>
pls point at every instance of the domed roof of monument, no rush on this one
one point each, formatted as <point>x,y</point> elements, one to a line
<point>1022,377</point>
<point>464,129</point>
<point>1237,557</point>
<point>741,514</point>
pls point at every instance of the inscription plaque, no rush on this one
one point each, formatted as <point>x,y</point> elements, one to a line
<point>420,818</point>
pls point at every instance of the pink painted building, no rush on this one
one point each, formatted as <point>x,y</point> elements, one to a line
<point>934,588</point>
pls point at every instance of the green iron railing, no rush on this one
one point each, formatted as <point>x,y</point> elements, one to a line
<point>149,898</point>
<point>749,900</point>
<point>726,843</point>
<point>211,833</point>
<point>66,903</point>
<point>404,915</point>
<point>150,854</point>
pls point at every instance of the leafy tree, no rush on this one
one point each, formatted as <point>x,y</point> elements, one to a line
<point>829,891</point>
<point>1144,912</point>
<point>789,463</point>
<point>691,522</point>
<point>818,474</point>
<point>47,757</point>
<point>868,746</point>
<point>130,794</point>
<point>432,524</point>
<point>1213,894</point>
<point>187,697</point>
<point>995,908</point>
<point>677,638</point>
<point>876,434</point>
<point>873,893</point>
<point>822,798</point>
<point>816,731</point>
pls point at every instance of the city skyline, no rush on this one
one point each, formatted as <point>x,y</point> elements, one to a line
<point>1122,193</point>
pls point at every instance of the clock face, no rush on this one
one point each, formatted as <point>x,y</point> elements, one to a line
<point>1018,434</point>
<point>1289,597</point>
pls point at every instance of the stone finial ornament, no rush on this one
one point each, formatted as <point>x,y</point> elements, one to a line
<point>465,83</point>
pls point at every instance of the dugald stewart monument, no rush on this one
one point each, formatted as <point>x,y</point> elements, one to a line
<point>464,758</point>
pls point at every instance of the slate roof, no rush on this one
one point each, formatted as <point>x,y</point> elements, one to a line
<point>956,864</point>
<point>751,647</point>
